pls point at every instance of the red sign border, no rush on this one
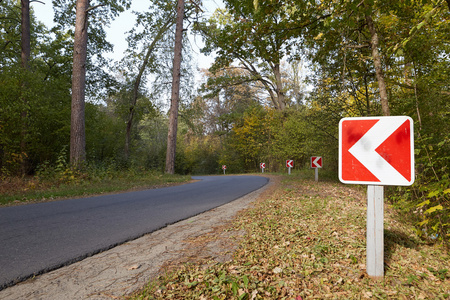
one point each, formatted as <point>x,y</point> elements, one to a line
<point>287,163</point>
<point>311,162</point>
<point>376,182</point>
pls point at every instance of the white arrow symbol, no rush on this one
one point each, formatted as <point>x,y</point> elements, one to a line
<point>364,150</point>
<point>316,162</point>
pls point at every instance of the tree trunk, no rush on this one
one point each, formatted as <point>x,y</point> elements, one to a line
<point>25,24</point>
<point>77,129</point>
<point>175,98</point>
<point>378,66</point>
<point>25,57</point>
<point>279,87</point>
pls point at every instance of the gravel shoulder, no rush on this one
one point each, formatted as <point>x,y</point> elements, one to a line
<point>127,268</point>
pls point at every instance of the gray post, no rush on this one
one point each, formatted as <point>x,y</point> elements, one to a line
<point>375,234</point>
<point>316,174</point>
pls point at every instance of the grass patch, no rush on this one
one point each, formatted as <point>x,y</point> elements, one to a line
<point>35,189</point>
<point>307,241</point>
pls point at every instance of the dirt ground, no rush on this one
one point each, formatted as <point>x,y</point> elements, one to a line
<point>127,268</point>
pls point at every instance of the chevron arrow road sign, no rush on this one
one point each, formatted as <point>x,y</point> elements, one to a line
<point>289,163</point>
<point>316,161</point>
<point>376,150</point>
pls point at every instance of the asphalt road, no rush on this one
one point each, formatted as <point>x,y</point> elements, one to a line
<point>37,238</point>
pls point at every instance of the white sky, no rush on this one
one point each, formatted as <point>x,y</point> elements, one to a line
<point>124,22</point>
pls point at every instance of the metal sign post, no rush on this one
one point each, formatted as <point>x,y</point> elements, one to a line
<point>375,234</point>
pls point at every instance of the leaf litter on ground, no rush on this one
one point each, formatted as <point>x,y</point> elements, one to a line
<point>307,240</point>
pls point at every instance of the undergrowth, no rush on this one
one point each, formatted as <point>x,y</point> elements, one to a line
<point>426,203</point>
<point>61,181</point>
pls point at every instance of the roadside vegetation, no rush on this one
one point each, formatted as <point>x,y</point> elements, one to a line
<point>61,181</point>
<point>306,240</point>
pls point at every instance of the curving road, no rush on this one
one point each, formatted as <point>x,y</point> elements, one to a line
<point>37,238</point>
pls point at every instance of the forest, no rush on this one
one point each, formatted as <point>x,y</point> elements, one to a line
<point>284,74</point>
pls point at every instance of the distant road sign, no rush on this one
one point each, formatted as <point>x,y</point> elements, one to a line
<point>316,161</point>
<point>376,150</point>
<point>289,163</point>
<point>262,165</point>
<point>224,167</point>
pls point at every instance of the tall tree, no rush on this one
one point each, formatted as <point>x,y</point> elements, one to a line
<point>41,90</point>
<point>159,22</point>
<point>25,57</point>
<point>26,35</point>
<point>350,61</point>
<point>105,10</point>
<point>376,57</point>
<point>175,96</point>
<point>77,128</point>
<point>257,38</point>
<point>225,102</point>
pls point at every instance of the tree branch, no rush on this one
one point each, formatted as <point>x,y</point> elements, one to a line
<point>304,25</point>
<point>94,7</point>
<point>356,46</point>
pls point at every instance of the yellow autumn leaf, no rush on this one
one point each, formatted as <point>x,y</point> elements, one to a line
<point>426,202</point>
<point>433,194</point>
<point>433,209</point>
<point>424,222</point>
<point>319,36</point>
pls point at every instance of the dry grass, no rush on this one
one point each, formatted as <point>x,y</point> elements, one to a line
<point>24,190</point>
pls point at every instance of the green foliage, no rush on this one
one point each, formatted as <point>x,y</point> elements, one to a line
<point>58,180</point>
<point>416,69</point>
<point>429,198</point>
<point>250,136</point>
<point>101,13</point>
<point>34,103</point>
<point>255,41</point>
<point>201,155</point>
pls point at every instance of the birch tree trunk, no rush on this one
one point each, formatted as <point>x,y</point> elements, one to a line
<point>175,97</point>
<point>378,66</point>
<point>77,127</point>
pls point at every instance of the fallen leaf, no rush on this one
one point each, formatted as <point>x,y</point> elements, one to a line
<point>134,267</point>
<point>254,293</point>
<point>277,270</point>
